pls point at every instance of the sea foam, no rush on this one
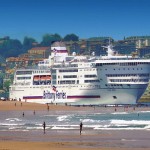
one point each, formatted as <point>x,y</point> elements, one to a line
<point>130,122</point>
<point>13,119</point>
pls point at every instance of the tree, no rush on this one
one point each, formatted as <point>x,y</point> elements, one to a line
<point>71,37</point>
<point>11,48</point>
<point>49,38</point>
<point>28,43</point>
<point>6,85</point>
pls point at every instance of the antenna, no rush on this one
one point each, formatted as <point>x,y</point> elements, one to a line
<point>109,48</point>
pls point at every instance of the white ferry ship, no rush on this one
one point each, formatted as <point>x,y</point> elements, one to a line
<point>82,80</point>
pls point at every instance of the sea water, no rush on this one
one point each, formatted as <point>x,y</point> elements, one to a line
<point>70,120</point>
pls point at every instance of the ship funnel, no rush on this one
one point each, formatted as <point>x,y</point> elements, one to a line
<point>59,51</point>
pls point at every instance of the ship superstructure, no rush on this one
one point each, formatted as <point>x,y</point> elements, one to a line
<point>82,80</point>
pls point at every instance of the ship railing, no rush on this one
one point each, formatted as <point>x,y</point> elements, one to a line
<point>126,58</point>
<point>128,81</point>
<point>129,78</point>
<point>28,83</point>
<point>34,67</point>
<point>65,65</point>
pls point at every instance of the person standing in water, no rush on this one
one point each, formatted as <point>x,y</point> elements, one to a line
<point>44,126</point>
<point>81,125</point>
<point>23,114</point>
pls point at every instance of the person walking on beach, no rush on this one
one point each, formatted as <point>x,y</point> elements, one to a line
<point>81,125</point>
<point>44,126</point>
<point>48,108</point>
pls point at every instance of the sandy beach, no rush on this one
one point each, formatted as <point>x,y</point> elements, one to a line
<point>72,140</point>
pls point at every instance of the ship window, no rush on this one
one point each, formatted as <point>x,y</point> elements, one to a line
<point>23,78</point>
<point>70,76</point>
<point>67,82</point>
<point>91,81</point>
<point>23,72</point>
<point>90,76</point>
<point>73,70</point>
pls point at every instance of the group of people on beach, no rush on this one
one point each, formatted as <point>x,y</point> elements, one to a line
<point>44,127</point>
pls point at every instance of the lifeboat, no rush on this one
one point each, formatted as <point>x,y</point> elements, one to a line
<point>36,78</point>
<point>45,78</point>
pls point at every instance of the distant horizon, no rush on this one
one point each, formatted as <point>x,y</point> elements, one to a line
<point>84,18</point>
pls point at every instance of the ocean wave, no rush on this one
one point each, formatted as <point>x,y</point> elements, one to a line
<point>34,128</point>
<point>13,119</point>
<point>63,128</point>
<point>147,127</point>
<point>63,118</point>
<point>9,124</point>
<point>90,121</point>
<point>143,111</point>
<point>12,128</point>
<point>130,128</point>
<point>119,113</point>
<point>130,122</point>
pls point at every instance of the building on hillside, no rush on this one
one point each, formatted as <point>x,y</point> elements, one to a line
<point>144,51</point>
<point>43,51</point>
<point>33,56</point>
<point>86,47</point>
<point>125,47</point>
<point>142,43</point>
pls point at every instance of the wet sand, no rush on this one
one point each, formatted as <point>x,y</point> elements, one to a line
<point>71,140</point>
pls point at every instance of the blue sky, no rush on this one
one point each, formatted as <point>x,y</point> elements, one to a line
<point>85,18</point>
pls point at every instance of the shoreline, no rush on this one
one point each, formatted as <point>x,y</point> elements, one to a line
<point>71,139</point>
<point>19,105</point>
<point>114,140</point>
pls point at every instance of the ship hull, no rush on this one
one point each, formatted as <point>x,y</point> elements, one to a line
<point>79,96</point>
